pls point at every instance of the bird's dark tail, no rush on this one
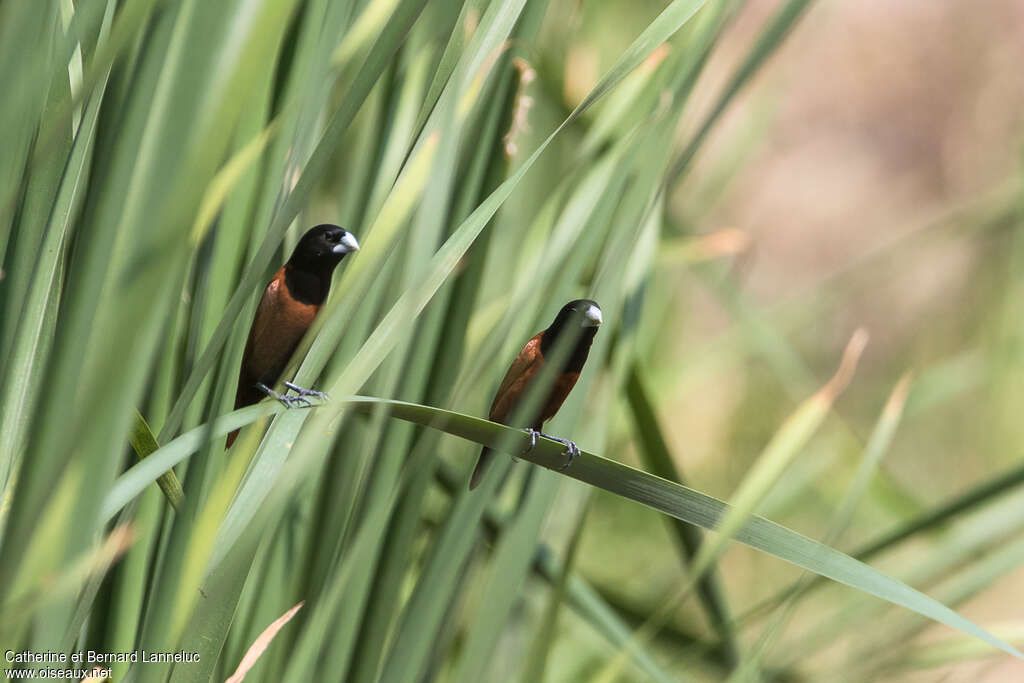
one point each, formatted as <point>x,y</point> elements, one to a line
<point>481,467</point>
<point>246,395</point>
<point>239,403</point>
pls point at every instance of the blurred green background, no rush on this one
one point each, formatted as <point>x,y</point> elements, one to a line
<point>741,184</point>
<point>875,165</point>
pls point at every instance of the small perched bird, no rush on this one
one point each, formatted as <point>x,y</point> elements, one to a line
<point>289,304</point>
<point>579,319</point>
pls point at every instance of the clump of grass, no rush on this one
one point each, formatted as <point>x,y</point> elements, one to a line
<point>161,159</point>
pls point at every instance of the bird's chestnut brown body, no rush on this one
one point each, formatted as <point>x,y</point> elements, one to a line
<point>523,370</point>
<point>289,304</point>
<point>527,366</point>
<point>277,328</point>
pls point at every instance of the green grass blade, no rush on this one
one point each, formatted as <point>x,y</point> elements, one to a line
<point>965,502</point>
<point>660,462</point>
<point>579,595</point>
<point>512,559</point>
<point>38,314</point>
<point>779,453</point>
<point>144,444</point>
<point>664,496</point>
<point>766,44</point>
<point>878,444</point>
<point>544,639</point>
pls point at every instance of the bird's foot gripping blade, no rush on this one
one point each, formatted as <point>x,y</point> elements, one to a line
<point>533,440</point>
<point>571,449</point>
<point>303,391</point>
<point>285,400</point>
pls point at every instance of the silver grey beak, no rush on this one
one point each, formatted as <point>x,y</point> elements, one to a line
<point>592,317</point>
<point>346,244</point>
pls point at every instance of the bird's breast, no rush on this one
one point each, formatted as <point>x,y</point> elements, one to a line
<point>278,327</point>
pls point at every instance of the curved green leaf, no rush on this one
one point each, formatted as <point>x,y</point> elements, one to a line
<point>672,499</point>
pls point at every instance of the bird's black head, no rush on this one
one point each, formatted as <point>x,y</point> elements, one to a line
<point>308,271</point>
<point>579,319</point>
<point>579,313</point>
<point>322,247</point>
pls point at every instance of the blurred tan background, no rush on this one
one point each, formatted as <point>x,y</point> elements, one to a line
<point>875,163</point>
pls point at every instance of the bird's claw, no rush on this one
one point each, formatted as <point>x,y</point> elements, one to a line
<point>293,401</point>
<point>303,391</point>
<point>533,439</point>
<point>571,449</point>
<point>284,399</point>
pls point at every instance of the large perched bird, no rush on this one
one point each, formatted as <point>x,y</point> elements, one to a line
<point>578,319</point>
<point>289,304</point>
